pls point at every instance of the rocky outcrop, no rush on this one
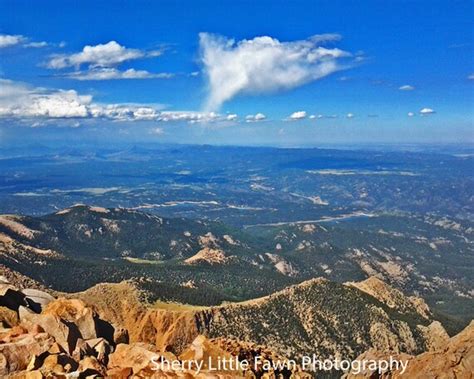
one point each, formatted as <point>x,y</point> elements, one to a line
<point>392,297</point>
<point>208,255</point>
<point>453,360</point>
<point>69,339</point>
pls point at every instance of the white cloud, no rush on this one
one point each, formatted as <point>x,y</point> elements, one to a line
<point>406,87</point>
<point>113,73</point>
<point>7,40</point>
<point>350,115</point>
<point>264,64</point>
<point>124,112</point>
<point>299,115</point>
<point>312,117</point>
<point>20,101</point>
<point>411,114</point>
<point>195,117</point>
<point>103,55</point>
<point>471,77</point>
<point>255,117</point>
<point>426,111</point>
<point>37,44</point>
<point>40,106</point>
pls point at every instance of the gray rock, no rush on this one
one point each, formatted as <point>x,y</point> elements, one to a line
<point>37,299</point>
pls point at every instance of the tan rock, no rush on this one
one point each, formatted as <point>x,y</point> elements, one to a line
<point>36,374</point>
<point>64,334</point>
<point>120,335</point>
<point>119,372</point>
<point>202,349</point>
<point>56,349</point>
<point>82,350</point>
<point>19,352</point>
<point>8,317</point>
<point>435,335</point>
<point>75,311</point>
<point>134,356</point>
<point>51,363</point>
<point>91,366</point>
<point>453,361</point>
<point>392,297</point>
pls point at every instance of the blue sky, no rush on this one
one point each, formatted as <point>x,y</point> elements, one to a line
<point>237,72</point>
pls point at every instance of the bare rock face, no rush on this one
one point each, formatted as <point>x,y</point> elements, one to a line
<point>18,347</point>
<point>392,297</point>
<point>76,312</point>
<point>64,334</point>
<point>207,352</point>
<point>208,255</point>
<point>37,299</point>
<point>435,335</point>
<point>8,317</point>
<point>137,357</point>
<point>452,361</point>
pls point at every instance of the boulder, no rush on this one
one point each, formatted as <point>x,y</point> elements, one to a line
<point>18,353</point>
<point>101,349</point>
<point>135,356</point>
<point>76,312</point>
<point>37,299</point>
<point>119,372</point>
<point>201,349</point>
<point>11,297</point>
<point>65,334</point>
<point>64,361</point>
<point>8,317</point>
<point>91,366</point>
<point>36,374</point>
<point>82,350</point>
<point>121,336</point>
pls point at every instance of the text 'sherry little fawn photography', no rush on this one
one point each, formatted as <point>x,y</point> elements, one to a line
<point>243,189</point>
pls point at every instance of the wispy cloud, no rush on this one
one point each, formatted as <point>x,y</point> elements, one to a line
<point>113,73</point>
<point>264,64</point>
<point>8,40</point>
<point>406,87</point>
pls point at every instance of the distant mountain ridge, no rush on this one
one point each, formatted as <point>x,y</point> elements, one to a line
<point>205,263</point>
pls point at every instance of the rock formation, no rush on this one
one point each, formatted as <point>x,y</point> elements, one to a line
<point>453,360</point>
